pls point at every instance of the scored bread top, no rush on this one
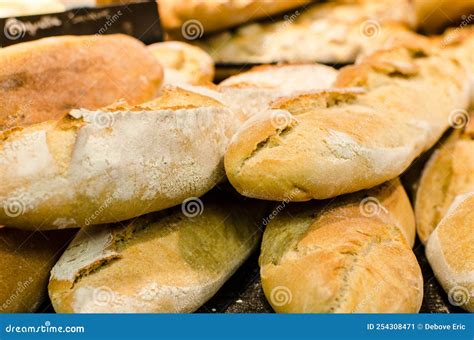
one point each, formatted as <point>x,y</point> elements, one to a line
<point>45,79</point>
<point>306,150</point>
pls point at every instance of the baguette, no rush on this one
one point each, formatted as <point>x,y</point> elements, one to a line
<point>113,164</point>
<point>183,63</point>
<point>47,78</point>
<point>350,255</point>
<point>331,32</point>
<point>166,262</point>
<point>192,18</point>
<point>26,259</point>
<point>450,253</point>
<point>448,174</point>
<point>381,115</point>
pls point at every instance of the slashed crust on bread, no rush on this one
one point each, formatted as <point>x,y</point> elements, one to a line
<point>347,255</point>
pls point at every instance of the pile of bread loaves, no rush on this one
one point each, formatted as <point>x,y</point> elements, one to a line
<point>109,151</point>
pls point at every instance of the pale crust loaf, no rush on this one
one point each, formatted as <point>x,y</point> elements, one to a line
<point>115,163</point>
<point>448,173</point>
<point>331,32</point>
<point>450,252</point>
<point>343,256</point>
<point>159,263</point>
<point>382,114</point>
<point>47,78</point>
<point>183,63</point>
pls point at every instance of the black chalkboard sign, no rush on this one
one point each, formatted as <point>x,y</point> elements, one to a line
<point>140,20</point>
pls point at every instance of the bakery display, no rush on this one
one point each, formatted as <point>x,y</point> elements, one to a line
<point>351,255</point>
<point>254,164</point>
<point>365,131</point>
<point>115,163</point>
<point>170,262</point>
<point>333,32</point>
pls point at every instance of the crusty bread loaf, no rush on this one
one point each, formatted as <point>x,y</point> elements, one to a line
<point>197,17</point>
<point>114,163</point>
<point>433,15</point>
<point>26,259</point>
<point>167,262</point>
<point>330,32</point>
<point>381,115</point>
<point>450,252</point>
<point>183,63</point>
<point>343,256</point>
<point>45,79</point>
<point>448,173</point>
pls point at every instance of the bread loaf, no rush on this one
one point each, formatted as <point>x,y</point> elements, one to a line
<point>450,252</point>
<point>330,32</point>
<point>167,262</point>
<point>47,78</point>
<point>113,164</point>
<point>183,63</point>
<point>26,259</point>
<point>348,255</point>
<point>192,18</point>
<point>448,174</point>
<point>381,115</point>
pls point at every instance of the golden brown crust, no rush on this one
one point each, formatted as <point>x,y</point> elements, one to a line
<point>47,78</point>
<point>25,261</point>
<point>448,173</point>
<point>311,147</point>
<point>343,256</point>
